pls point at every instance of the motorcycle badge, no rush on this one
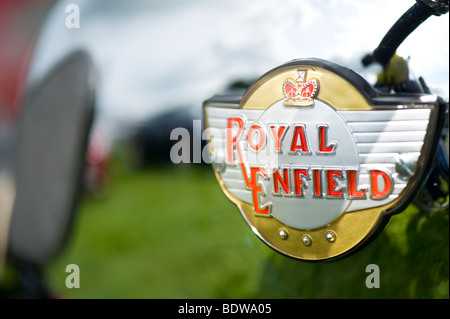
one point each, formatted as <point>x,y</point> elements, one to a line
<point>316,173</point>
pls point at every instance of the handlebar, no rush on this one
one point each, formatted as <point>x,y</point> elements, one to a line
<point>404,26</point>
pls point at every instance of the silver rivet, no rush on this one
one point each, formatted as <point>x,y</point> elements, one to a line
<point>307,240</point>
<point>331,236</point>
<point>284,234</point>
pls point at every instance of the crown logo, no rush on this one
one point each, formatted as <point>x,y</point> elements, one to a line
<point>300,92</point>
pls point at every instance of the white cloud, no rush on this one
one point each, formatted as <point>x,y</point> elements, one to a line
<point>153,55</point>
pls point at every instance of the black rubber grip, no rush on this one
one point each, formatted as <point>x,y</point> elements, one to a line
<point>407,23</point>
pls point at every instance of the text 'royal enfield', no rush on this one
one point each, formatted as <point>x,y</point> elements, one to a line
<point>317,160</point>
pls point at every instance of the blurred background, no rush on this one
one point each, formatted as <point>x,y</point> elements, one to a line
<point>146,228</point>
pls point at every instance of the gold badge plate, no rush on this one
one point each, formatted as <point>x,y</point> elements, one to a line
<point>279,202</point>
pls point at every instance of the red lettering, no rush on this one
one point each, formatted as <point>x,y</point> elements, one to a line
<point>317,183</point>
<point>331,182</point>
<point>375,192</point>
<point>299,139</point>
<point>283,181</point>
<point>234,140</point>
<point>298,181</point>
<point>353,192</point>
<point>261,139</point>
<point>323,133</point>
<point>231,140</point>
<point>278,135</point>
<point>256,190</point>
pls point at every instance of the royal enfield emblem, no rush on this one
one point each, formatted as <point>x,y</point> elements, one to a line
<point>316,172</point>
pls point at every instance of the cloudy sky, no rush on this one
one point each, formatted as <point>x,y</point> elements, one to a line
<point>154,55</point>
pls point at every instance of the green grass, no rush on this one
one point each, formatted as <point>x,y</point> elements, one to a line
<point>162,233</point>
<point>170,232</point>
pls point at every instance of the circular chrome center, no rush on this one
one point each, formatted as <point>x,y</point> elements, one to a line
<point>307,211</point>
